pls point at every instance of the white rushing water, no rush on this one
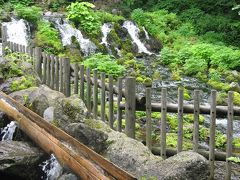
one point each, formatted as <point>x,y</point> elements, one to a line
<point>133,31</point>
<point>52,169</point>
<point>67,32</point>
<point>17,31</point>
<point>8,131</point>
<point>146,33</point>
<point>106,29</point>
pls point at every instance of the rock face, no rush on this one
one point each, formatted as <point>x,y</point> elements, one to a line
<point>19,159</point>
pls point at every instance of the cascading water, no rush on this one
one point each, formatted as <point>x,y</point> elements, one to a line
<point>133,31</point>
<point>67,32</point>
<point>106,29</point>
<point>8,131</point>
<point>146,33</point>
<point>17,31</point>
<point>51,168</point>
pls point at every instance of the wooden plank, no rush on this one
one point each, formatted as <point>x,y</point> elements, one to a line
<point>79,164</point>
<point>119,99</point>
<point>56,80</point>
<point>110,99</point>
<point>38,59</point>
<point>76,70</point>
<point>103,97</point>
<point>180,120</point>
<point>44,78</point>
<point>95,94</point>
<point>61,74</point>
<point>196,120</point>
<point>82,82</point>
<point>130,89</point>
<point>229,135</point>
<point>163,122</point>
<point>66,78</point>
<point>149,119</point>
<point>62,136</point>
<point>52,71</point>
<point>212,133</point>
<point>89,90</point>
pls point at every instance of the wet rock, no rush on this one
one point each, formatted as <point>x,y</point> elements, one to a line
<point>20,159</point>
<point>154,45</point>
<point>6,86</point>
<point>220,170</point>
<point>234,86</point>
<point>68,176</point>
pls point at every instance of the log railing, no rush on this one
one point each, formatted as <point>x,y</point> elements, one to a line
<point>60,75</point>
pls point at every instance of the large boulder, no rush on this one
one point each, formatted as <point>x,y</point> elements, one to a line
<point>20,159</point>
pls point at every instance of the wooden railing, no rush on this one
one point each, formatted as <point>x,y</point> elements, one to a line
<point>60,75</point>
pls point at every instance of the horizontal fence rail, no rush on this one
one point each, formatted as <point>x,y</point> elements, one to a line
<point>99,91</point>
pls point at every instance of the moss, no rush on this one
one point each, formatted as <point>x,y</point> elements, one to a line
<point>186,95</point>
<point>140,79</point>
<point>222,98</point>
<point>219,85</point>
<point>172,141</point>
<point>176,76</point>
<point>236,142</point>
<point>114,38</point>
<point>94,124</point>
<point>156,75</point>
<point>126,45</point>
<point>148,82</point>
<point>236,98</point>
<point>189,118</point>
<point>23,83</point>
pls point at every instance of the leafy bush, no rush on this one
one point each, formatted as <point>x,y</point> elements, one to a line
<point>48,37</point>
<point>105,17</point>
<point>82,14</point>
<point>31,14</point>
<point>104,63</point>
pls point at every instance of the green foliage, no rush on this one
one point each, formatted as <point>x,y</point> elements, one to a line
<point>82,14</point>
<point>104,63</point>
<point>236,142</point>
<point>105,17</point>
<point>31,14</point>
<point>48,38</point>
<point>24,83</point>
<point>234,159</point>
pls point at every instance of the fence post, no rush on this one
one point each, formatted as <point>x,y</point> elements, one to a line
<point>119,99</point>
<point>4,39</point>
<point>229,135</point>
<point>149,118</point>
<point>38,61</point>
<point>196,121</point>
<point>66,70</point>
<point>111,120</point>
<point>82,82</point>
<point>89,90</point>
<point>95,93</point>
<point>180,120</point>
<point>212,133</point>
<point>52,71</point>
<point>61,74</point>
<point>163,122</point>
<point>44,68</point>
<point>76,69</point>
<point>103,96</point>
<point>48,70</point>
<point>57,73</point>
<point>130,107</point>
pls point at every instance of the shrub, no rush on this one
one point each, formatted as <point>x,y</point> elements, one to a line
<point>104,63</point>
<point>82,14</point>
<point>31,14</point>
<point>48,37</point>
<point>105,17</point>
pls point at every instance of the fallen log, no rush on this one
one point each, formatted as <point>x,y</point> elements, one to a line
<point>82,160</point>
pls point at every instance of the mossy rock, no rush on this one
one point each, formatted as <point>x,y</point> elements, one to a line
<point>219,85</point>
<point>222,98</point>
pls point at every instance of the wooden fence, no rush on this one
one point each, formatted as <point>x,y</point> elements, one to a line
<point>94,90</point>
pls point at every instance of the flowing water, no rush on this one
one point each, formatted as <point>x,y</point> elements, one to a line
<point>106,29</point>
<point>134,31</point>
<point>51,168</point>
<point>146,33</point>
<point>67,32</point>
<point>8,131</point>
<point>18,31</point>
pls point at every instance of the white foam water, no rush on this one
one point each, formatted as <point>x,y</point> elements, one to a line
<point>146,33</point>
<point>106,29</point>
<point>17,31</point>
<point>133,31</point>
<point>67,32</point>
<point>51,168</point>
<point>8,131</point>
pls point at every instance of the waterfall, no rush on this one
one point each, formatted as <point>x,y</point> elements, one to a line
<point>67,32</point>
<point>133,31</point>
<point>8,131</point>
<point>51,168</point>
<point>17,31</point>
<point>146,33</point>
<point>106,29</point>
